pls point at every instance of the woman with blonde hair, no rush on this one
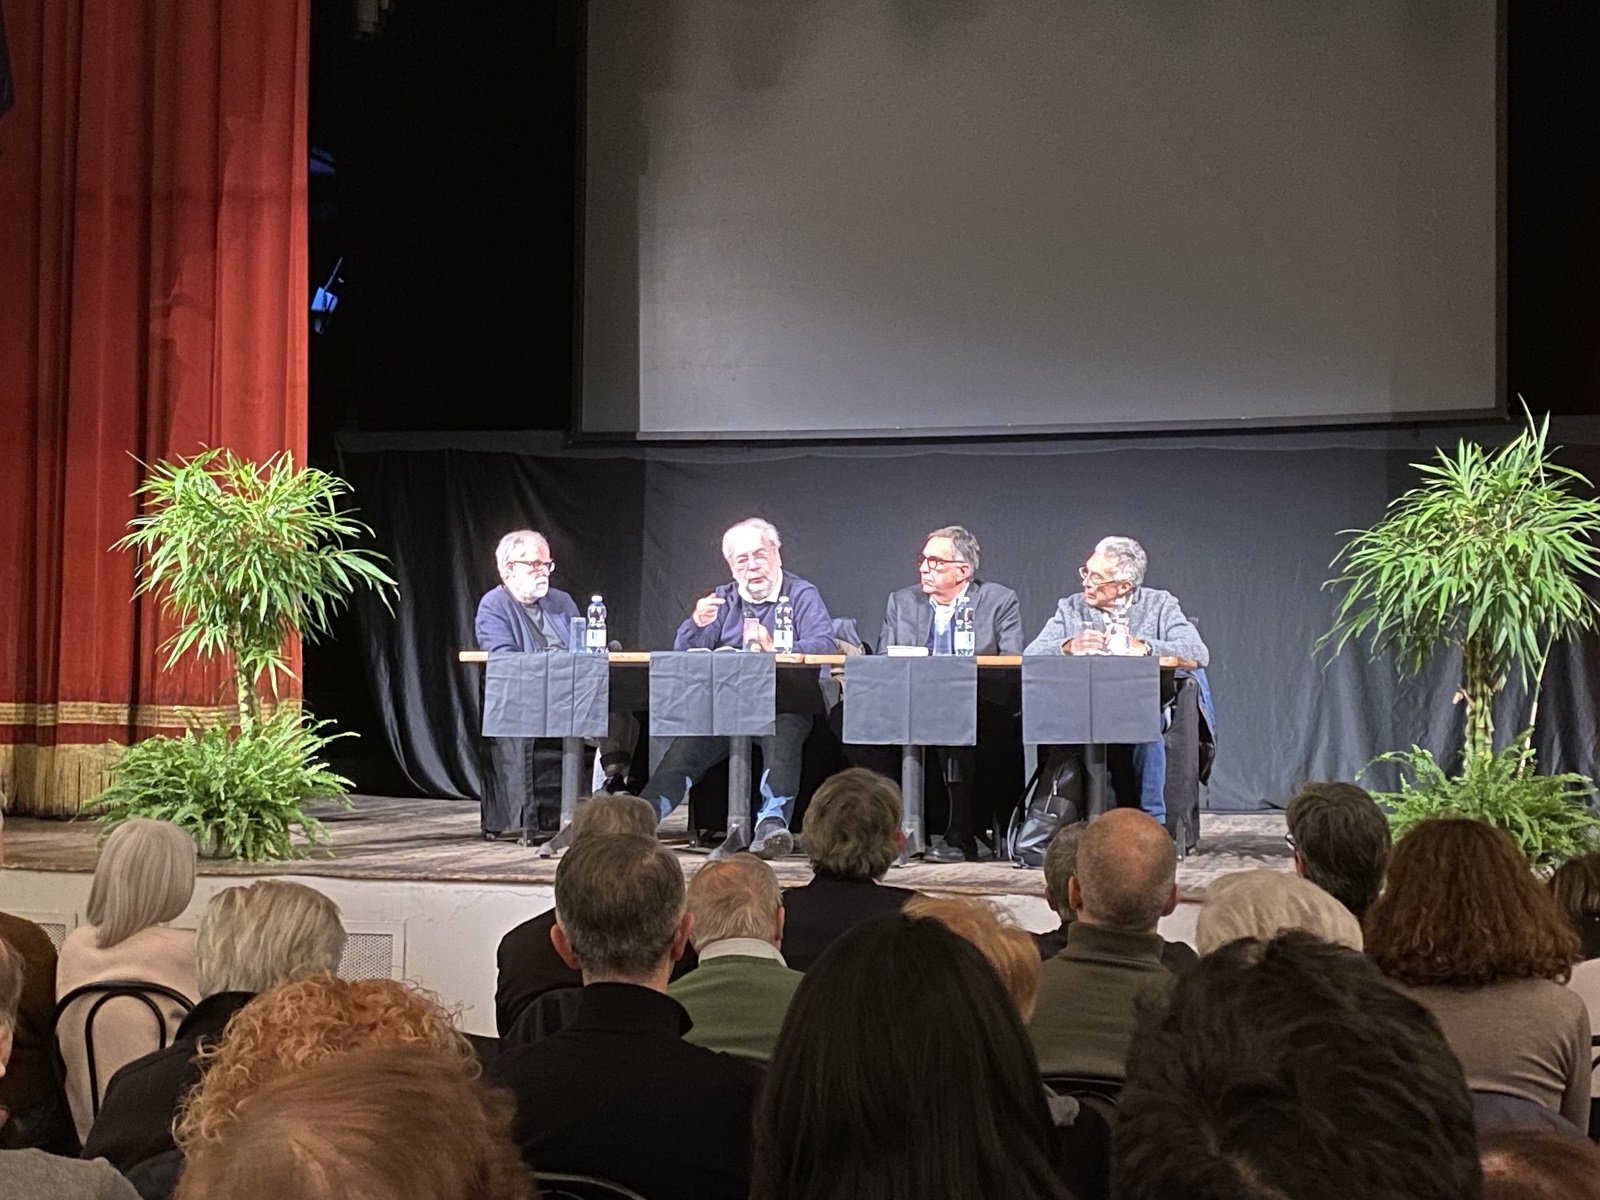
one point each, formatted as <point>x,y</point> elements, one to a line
<point>145,878</point>
<point>250,939</point>
<point>1262,904</point>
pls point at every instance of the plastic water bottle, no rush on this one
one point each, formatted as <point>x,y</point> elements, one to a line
<point>961,621</point>
<point>594,639</point>
<point>783,627</point>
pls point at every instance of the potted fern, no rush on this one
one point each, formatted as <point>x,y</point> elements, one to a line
<point>1488,557</point>
<point>244,556</point>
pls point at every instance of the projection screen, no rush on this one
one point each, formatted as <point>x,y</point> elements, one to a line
<point>879,218</point>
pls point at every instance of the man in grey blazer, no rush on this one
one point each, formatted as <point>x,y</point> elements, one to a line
<point>922,614</point>
<point>1157,625</point>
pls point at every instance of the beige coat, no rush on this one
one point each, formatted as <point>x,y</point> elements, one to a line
<point>124,1029</point>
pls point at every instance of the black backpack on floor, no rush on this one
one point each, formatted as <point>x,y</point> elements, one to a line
<point>1052,800</point>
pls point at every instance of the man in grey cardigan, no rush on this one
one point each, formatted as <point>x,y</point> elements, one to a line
<point>923,615</point>
<point>1158,627</point>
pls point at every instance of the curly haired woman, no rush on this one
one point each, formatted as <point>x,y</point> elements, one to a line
<point>1464,927</point>
<point>307,1021</point>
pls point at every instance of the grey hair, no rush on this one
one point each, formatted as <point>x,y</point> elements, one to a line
<point>1262,904</point>
<point>512,544</point>
<point>961,540</point>
<point>145,877</point>
<point>737,897</point>
<point>619,813</point>
<point>1060,864</point>
<point>767,530</point>
<point>619,898</point>
<point>13,974</point>
<point>1131,560</point>
<point>252,938</point>
<point>852,824</point>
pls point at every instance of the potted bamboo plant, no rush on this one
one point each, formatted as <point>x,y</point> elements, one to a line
<point>1487,556</point>
<point>244,556</point>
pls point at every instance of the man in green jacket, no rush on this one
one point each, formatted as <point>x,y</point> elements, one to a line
<point>738,995</point>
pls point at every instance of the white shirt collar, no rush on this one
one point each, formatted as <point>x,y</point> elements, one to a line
<point>772,599</point>
<point>943,612</point>
<point>749,947</point>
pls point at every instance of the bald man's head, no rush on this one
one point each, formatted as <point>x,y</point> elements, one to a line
<point>1126,872</point>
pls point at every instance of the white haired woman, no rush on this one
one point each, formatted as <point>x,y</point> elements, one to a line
<point>250,939</point>
<point>1262,904</point>
<point>145,878</point>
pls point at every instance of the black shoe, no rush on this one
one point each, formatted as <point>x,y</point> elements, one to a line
<point>947,850</point>
<point>614,784</point>
<point>489,835</point>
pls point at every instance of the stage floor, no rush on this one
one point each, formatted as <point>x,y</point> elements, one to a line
<point>385,838</point>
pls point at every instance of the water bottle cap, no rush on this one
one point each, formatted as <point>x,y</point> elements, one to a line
<point>783,599</point>
<point>595,598</point>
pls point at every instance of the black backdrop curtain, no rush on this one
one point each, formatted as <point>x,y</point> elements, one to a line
<point>1241,528</point>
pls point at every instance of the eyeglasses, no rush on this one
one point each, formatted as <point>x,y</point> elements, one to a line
<point>1090,577</point>
<point>938,564</point>
<point>756,558</point>
<point>537,567</point>
<point>1288,840</point>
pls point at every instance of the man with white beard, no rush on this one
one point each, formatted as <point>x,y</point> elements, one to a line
<point>752,551</point>
<point>523,615</point>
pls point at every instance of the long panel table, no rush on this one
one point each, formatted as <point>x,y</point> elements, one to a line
<point>740,756</point>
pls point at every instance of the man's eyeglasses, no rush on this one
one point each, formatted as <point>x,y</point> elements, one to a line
<point>537,567</point>
<point>756,558</point>
<point>938,564</point>
<point>1089,577</point>
<point>1288,840</point>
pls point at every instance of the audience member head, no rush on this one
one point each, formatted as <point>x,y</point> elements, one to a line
<point>1292,1068</point>
<point>1263,904</point>
<point>1462,908</point>
<point>1060,864</point>
<point>251,938</point>
<point>619,909</point>
<point>397,1123</point>
<point>619,813</point>
<point>1005,945</point>
<point>1576,888</point>
<point>1341,842</point>
<point>735,898</point>
<point>853,825</point>
<point>1126,873</point>
<point>145,877</point>
<point>1538,1164</point>
<point>929,1088</point>
<point>12,977</point>
<point>304,1022</point>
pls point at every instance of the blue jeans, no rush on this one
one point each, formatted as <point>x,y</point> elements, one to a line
<point>1150,776</point>
<point>689,758</point>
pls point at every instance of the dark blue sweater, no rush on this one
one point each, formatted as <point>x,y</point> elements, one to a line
<point>813,627</point>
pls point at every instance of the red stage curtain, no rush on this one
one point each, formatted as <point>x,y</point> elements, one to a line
<point>152,301</point>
